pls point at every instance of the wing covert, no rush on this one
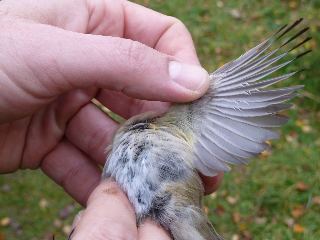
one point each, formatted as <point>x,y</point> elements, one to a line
<point>240,112</point>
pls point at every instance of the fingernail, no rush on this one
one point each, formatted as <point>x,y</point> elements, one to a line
<point>192,77</point>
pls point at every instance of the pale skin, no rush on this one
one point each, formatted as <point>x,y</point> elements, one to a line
<point>55,56</point>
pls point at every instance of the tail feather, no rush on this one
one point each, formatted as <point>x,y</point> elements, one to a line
<point>190,223</point>
<point>178,208</point>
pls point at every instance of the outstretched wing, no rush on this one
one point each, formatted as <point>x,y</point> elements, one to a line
<point>240,112</point>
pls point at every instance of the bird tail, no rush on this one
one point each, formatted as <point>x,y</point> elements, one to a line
<point>194,225</point>
<point>191,222</point>
<point>178,208</point>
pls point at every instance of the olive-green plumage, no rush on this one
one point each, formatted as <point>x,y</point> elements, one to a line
<point>152,161</point>
<point>156,159</point>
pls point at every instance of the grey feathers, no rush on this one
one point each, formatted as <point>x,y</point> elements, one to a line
<point>153,165</point>
<point>239,112</point>
<point>154,158</point>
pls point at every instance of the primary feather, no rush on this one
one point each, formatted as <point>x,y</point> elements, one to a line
<point>155,158</point>
<point>238,114</point>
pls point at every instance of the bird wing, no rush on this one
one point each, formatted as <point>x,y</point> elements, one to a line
<point>240,112</point>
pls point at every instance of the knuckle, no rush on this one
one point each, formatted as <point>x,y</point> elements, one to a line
<point>96,141</point>
<point>136,55</point>
<point>176,22</point>
<point>69,175</point>
<point>177,26</point>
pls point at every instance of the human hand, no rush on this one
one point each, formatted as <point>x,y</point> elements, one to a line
<point>115,220</point>
<point>57,56</point>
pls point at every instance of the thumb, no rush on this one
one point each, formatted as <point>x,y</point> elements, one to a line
<point>41,62</point>
<point>108,215</point>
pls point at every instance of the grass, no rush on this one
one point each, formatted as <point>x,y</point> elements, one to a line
<point>275,197</point>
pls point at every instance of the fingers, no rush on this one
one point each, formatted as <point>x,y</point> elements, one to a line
<point>87,61</point>
<point>46,128</point>
<point>109,215</point>
<point>111,18</point>
<point>91,131</point>
<point>98,130</point>
<point>126,106</point>
<point>166,34</point>
<point>150,230</point>
<point>72,170</point>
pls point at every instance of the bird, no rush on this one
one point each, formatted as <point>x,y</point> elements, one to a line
<point>156,159</point>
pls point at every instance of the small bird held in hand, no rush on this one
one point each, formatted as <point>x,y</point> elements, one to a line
<point>156,159</point>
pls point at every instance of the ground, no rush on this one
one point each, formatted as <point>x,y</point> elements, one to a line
<point>275,197</point>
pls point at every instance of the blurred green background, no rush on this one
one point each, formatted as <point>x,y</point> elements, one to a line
<point>276,197</point>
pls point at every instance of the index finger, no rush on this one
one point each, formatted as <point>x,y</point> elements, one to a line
<point>129,20</point>
<point>164,33</point>
<point>118,18</point>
